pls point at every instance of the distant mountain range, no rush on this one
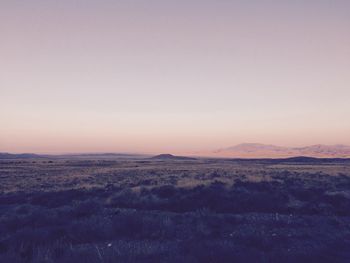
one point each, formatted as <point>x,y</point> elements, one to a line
<point>72,156</point>
<point>257,150</point>
<point>244,150</point>
<point>19,156</point>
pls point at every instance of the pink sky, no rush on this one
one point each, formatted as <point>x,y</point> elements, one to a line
<point>151,76</point>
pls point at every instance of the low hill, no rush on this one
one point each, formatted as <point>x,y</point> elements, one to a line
<point>171,157</point>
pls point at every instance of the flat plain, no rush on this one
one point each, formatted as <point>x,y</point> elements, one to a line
<point>139,209</point>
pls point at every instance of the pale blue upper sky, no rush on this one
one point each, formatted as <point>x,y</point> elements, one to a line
<point>78,75</point>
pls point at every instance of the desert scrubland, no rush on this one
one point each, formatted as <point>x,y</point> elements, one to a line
<point>173,210</point>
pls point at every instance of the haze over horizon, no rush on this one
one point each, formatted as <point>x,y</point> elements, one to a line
<point>172,76</point>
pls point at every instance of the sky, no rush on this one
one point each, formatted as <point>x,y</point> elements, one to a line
<point>172,76</point>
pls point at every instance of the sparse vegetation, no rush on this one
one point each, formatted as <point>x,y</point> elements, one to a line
<point>173,211</point>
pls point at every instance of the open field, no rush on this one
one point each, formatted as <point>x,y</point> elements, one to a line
<point>148,210</point>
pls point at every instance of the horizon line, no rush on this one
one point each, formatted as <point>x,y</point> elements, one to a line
<point>159,152</point>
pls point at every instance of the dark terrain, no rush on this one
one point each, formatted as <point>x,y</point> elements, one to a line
<point>169,209</point>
